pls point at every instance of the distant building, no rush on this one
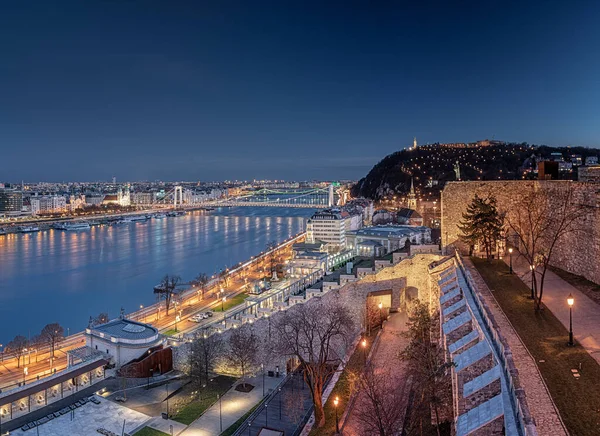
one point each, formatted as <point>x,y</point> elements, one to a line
<point>548,170</point>
<point>412,197</point>
<point>556,157</point>
<point>576,160</point>
<point>589,174</point>
<point>380,240</point>
<point>330,226</point>
<point>123,340</point>
<point>48,204</point>
<point>410,217</point>
<point>140,198</point>
<point>11,201</point>
<point>591,160</point>
<point>94,200</point>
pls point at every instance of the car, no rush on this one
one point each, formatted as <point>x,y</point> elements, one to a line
<point>208,314</point>
<point>196,318</point>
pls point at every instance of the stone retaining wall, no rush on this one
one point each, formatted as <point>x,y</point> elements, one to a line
<point>578,254</point>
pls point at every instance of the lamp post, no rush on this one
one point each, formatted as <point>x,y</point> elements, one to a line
<point>220,413</point>
<point>262,367</point>
<point>380,314</point>
<point>532,268</point>
<point>570,301</point>
<point>337,422</point>
<point>510,250</point>
<point>223,304</point>
<point>363,343</point>
<point>279,395</point>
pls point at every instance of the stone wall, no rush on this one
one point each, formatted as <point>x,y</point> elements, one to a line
<point>577,254</point>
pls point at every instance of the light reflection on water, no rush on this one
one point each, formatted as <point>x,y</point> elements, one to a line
<point>66,277</point>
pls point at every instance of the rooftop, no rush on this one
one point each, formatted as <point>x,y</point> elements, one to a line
<point>126,329</point>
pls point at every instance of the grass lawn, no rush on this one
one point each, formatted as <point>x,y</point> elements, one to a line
<point>207,396</point>
<point>342,389</point>
<point>233,427</point>
<point>546,338</point>
<point>232,302</point>
<point>149,431</point>
<point>171,332</point>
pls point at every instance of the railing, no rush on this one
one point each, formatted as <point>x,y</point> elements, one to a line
<point>525,423</point>
<point>265,400</point>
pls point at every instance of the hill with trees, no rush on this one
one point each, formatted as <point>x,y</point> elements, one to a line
<point>432,166</point>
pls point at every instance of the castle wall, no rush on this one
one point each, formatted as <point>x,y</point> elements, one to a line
<point>577,253</point>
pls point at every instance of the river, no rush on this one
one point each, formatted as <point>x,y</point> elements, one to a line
<point>66,277</point>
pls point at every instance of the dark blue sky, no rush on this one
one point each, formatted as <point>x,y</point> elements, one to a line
<point>204,90</point>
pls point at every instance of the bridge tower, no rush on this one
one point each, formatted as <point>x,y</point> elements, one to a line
<point>330,199</point>
<point>177,189</point>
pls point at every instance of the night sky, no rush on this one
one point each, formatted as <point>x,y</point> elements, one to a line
<point>209,90</point>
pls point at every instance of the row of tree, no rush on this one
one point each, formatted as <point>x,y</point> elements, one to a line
<point>314,335</point>
<point>537,222</point>
<point>51,335</point>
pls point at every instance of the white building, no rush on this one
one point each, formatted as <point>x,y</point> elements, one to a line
<point>330,226</point>
<point>123,340</point>
<point>380,240</point>
<point>48,204</point>
<point>142,198</point>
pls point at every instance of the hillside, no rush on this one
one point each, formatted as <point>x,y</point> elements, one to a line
<point>432,166</point>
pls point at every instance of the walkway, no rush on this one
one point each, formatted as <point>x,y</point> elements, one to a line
<point>541,406</point>
<point>586,312</point>
<point>385,361</point>
<point>285,410</point>
<point>232,407</point>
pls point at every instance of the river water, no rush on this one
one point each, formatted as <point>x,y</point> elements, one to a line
<point>66,277</point>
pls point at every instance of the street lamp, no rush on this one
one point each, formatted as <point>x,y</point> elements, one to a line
<point>177,319</point>
<point>510,250</point>
<point>337,423</point>
<point>262,367</point>
<point>364,347</point>
<point>570,301</point>
<point>223,304</point>
<point>532,269</point>
<point>380,314</point>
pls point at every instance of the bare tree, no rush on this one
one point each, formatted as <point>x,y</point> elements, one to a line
<point>224,277</point>
<point>317,334</point>
<point>52,334</point>
<point>167,289</point>
<point>205,352</point>
<point>382,409</point>
<point>427,360</point>
<point>243,350</point>
<point>17,347</point>
<point>272,256</point>
<point>102,318</point>
<point>201,281</point>
<point>540,219</point>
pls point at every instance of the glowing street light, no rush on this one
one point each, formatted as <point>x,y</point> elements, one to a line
<point>337,423</point>
<point>532,269</point>
<point>510,250</point>
<point>570,302</point>
<point>363,343</point>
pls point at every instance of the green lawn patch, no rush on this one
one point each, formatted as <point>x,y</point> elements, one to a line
<point>342,388</point>
<point>171,332</point>
<point>231,302</point>
<point>149,431</point>
<point>207,396</point>
<point>233,427</point>
<point>578,401</point>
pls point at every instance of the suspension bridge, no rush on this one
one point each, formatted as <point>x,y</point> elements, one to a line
<point>329,196</point>
<point>311,198</point>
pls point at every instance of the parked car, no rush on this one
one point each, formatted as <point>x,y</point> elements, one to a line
<point>208,314</point>
<point>196,318</point>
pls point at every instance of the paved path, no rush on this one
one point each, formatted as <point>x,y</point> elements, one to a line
<point>541,406</point>
<point>385,361</point>
<point>88,419</point>
<point>586,312</point>
<point>233,406</point>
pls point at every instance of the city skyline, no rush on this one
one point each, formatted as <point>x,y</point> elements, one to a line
<point>238,91</point>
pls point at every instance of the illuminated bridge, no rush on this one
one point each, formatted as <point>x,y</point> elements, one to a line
<point>310,198</point>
